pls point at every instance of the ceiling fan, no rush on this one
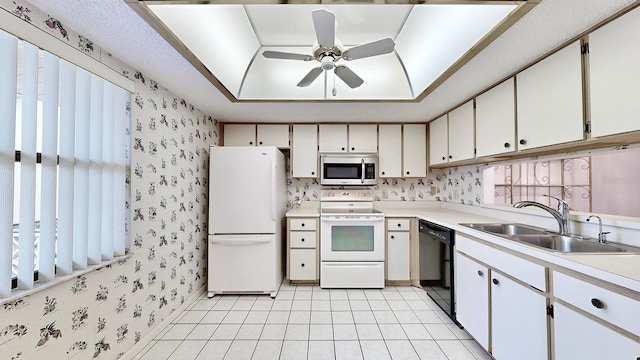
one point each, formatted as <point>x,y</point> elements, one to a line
<point>327,51</point>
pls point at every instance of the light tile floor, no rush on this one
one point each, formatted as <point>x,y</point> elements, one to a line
<point>307,322</point>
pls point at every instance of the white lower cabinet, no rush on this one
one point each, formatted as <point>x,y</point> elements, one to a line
<point>518,320</point>
<point>506,314</point>
<point>302,264</point>
<point>398,255</point>
<point>472,293</point>
<point>302,245</point>
<point>578,337</point>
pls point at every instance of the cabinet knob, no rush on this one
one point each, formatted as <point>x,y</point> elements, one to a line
<point>393,237</point>
<point>302,239</point>
<point>407,173</point>
<point>302,224</point>
<point>250,142</point>
<point>597,303</point>
<point>444,158</point>
<point>507,144</point>
<point>343,148</point>
<point>450,157</point>
<point>523,141</point>
<point>260,143</point>
<point>480,273</point>
<point>313,173</point>
<point>399,225</point>
<point>352,149</point>
<point>383,173</point>
<point>302,264</point>
<point>495,281</point>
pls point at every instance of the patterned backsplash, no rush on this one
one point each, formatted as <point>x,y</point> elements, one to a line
<point>461,185</point>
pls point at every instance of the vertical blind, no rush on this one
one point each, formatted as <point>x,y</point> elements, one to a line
<point>62,166</point>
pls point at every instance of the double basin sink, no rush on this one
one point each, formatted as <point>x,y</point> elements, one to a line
<point>551,241</point>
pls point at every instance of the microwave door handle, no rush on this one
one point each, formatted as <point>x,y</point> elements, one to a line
<point>362,177</point>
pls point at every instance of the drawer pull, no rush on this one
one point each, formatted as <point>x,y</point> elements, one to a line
<point>399,225</point>
<point>597,303</point>
<point>302,224</point>
<point>495,281</point>
<point>302,265</point>
<point>302,239</point>
<point>480,273</point>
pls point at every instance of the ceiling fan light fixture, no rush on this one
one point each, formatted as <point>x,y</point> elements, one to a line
<point>328,62</point>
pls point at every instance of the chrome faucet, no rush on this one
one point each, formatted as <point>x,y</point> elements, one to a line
<point>602,236</point>
<point>561,215</point>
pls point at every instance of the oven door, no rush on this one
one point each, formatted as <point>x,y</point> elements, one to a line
<point>349,238</point>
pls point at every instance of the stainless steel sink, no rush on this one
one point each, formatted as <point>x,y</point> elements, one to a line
<point>507,229</point>
<point>567,244</point>
<point>551,241</point>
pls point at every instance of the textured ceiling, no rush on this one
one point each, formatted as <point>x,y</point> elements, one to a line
<point>114,26</point>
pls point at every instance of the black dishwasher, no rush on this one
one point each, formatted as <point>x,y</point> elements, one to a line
<point>437,246</point>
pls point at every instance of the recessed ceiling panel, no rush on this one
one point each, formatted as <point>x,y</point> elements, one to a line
<point>436,36</point>
<point>220,36</point>
<point>292,25</point>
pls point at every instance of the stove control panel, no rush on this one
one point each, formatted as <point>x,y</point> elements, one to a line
<point>346,195</point>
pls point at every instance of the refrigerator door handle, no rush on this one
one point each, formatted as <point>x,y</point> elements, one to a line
<point>273,193</point>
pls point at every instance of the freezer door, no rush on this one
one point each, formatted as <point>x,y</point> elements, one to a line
<point>243,193</point>
<point>244,263</point>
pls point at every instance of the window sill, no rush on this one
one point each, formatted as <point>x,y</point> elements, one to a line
<point>18,293</point>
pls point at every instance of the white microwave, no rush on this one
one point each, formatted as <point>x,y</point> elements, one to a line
<point>340,170</point>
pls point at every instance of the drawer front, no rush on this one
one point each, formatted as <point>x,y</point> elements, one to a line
<point>609,306</point>
<point>302,224</point>
<point>398,224</point>
<point>302,239</point>
<point>523,270</point>
<point>302,264</point>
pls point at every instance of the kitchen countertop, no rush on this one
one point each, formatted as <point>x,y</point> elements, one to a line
<point>619,269</point>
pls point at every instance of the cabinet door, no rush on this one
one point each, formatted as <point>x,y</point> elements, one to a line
<point>390,151</point>
<point>398,255</point>
<point>518,320</point>
<point>239,135</point>
<point>461,132</point>
<point>333,138</point>
<point>304,152</point>
<point>472,298</point>
<point>273,135</point>
<point>615,76</point>
<point>496,120</point>
<point>439,141</point>
<point>549,100</point>
<point>302,264</point>
<point>578,337</point>
<point>414,150</point>
<point>363,138</point>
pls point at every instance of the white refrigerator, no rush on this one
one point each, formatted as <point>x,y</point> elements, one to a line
<point>247,204</point>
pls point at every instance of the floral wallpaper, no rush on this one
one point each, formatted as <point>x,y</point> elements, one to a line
<point>104,313</point>
<point>457,184</point>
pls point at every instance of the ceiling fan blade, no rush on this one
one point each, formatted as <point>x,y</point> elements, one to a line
<point>379,47</point>
<point>325,24</point>
<point>348,76</point>
<point>285,55</point>
<point>308,79</point>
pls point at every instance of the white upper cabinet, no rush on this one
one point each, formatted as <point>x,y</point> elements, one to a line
<point>439,141</point>
<point>615,76</point>
<point>461,132</point>
<point>496,120</point>
<point>549,100</point>
<point>414,150</point>
<point>239,135</point>
<point>304,151</point>
<point>390,151</point>
<point>363,138</point>
<point>273,135</point>
<point>333,138</point>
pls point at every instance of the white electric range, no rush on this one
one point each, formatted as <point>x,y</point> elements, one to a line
<point>352,247</point>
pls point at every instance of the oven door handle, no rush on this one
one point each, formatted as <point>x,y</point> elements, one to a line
<point>362,177</point>
<point>352,221</point>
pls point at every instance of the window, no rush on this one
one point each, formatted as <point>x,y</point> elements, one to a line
<point>62,166</point>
